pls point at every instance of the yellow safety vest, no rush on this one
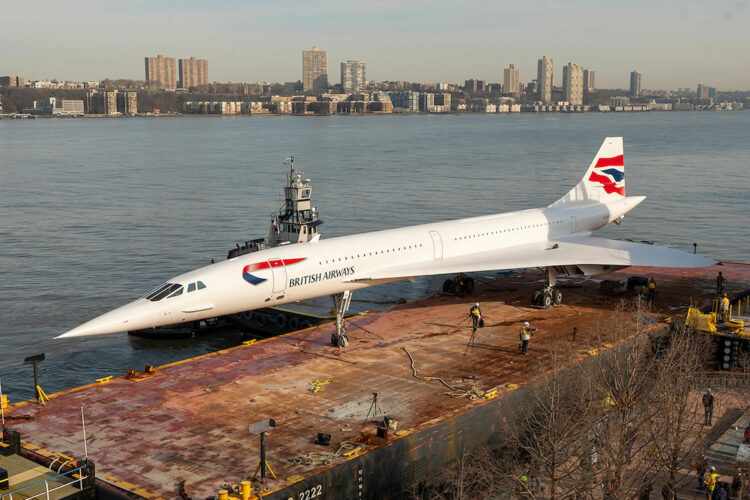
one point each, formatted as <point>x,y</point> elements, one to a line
<point>711,481</point>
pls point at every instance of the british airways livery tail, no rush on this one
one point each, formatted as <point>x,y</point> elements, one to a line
<point>557,238</point>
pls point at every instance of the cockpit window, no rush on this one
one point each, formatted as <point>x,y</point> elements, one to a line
<point>157,290</point>
<point>191,287</point>
<point>176,293</point>
<point>163,292</point>
<point>201,286</point>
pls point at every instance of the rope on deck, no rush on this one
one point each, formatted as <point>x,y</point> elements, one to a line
<point>472,392</point>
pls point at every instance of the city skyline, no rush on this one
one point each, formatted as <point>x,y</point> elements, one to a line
<point>676,44</point>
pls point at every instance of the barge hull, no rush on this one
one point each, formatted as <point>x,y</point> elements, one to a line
<point>189,420</point>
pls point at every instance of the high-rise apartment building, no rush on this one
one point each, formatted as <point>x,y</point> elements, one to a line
<point>353,77</point>
<point>704,92</point>
<point>474,86</point>
<point>161,72</point>
<point>110,102</point>
<point>544,79</point>
<point>589,80</point>
<point>314,70</point>
<point>512,80</point>
<point>635,83</point>
<point>192,73</point>
<point>573,84</point>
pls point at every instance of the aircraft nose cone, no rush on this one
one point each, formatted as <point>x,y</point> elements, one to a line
<point>115,321</point>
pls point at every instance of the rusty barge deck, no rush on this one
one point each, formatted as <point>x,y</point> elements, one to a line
<point>188,422</point>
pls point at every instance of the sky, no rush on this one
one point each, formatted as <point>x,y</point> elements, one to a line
<point>672,43</point>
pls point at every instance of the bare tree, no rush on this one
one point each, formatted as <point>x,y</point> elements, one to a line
<point>623,381</point>
<point>550,431</point>
<point>675,426</point>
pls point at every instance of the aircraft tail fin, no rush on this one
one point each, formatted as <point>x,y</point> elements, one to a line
<point>605,178</point>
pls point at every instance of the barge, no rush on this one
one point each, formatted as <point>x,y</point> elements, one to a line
<point>189,429</point>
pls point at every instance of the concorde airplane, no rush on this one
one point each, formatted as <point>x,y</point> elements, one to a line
<point>557,238</point>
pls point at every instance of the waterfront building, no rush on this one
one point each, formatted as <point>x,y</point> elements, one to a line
<point>512,81</point>
<point>102,103</point>
<point>443,100</point>
<point>314,70</point>
<point>110,102</point>
<point>705,92</point>
<point>192,73</point>
<point>619,101</point>
<point>353,78</point>
<point>127,102</point>
<point>589,82</point>
<point>407,100</point>
<point>474,86</point>
<point>11,81</point>
<point>544,79</point>
<point>573,84</point>
<point>161,72</point>
<point>51,106</point>
<point>426,101</point>
<point>635,83</point>
<point>72,107</point>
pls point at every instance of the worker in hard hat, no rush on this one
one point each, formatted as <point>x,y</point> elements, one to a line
<point>712,480</point>
<point>475,314</point>
<point>651,292</point>
<point>708,407</point>
<point>724,308</point>
<point>525,336</point>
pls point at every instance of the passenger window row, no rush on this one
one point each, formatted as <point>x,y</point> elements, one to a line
<point>507,230</point>
<point>386,251</point>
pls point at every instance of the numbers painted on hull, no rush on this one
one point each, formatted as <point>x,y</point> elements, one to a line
<point>309,493</point>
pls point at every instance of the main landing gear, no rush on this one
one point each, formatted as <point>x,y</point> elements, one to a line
<point>461,285</point>
<point>550,295</point>
<point>341,302</point>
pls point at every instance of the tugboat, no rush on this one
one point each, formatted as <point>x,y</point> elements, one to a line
<point>297,221</point>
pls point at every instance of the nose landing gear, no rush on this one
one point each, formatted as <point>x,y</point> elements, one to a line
<point>550,295</point>
<point>341,302</point>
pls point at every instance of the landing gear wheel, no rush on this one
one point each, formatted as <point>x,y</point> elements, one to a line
<point>557,296</point>
<point>547,300</point>
<point>449,286</point>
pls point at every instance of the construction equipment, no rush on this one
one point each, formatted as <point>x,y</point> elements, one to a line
<point>707,322</point>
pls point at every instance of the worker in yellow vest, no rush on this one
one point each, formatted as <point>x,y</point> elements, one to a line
<point>712,480</point>
<point>651,292</point>
<point>724,308</point>
<point>475,314</point>
<point>525,336</point>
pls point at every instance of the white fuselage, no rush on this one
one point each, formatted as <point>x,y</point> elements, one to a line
<point>332,266</point>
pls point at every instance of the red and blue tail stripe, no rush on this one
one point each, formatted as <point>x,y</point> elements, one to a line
<point>610,173</point>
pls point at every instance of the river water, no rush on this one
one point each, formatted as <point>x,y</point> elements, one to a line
<point>95,212</point>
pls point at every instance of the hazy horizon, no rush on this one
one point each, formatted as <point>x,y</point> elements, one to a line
<point>673,44</point>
